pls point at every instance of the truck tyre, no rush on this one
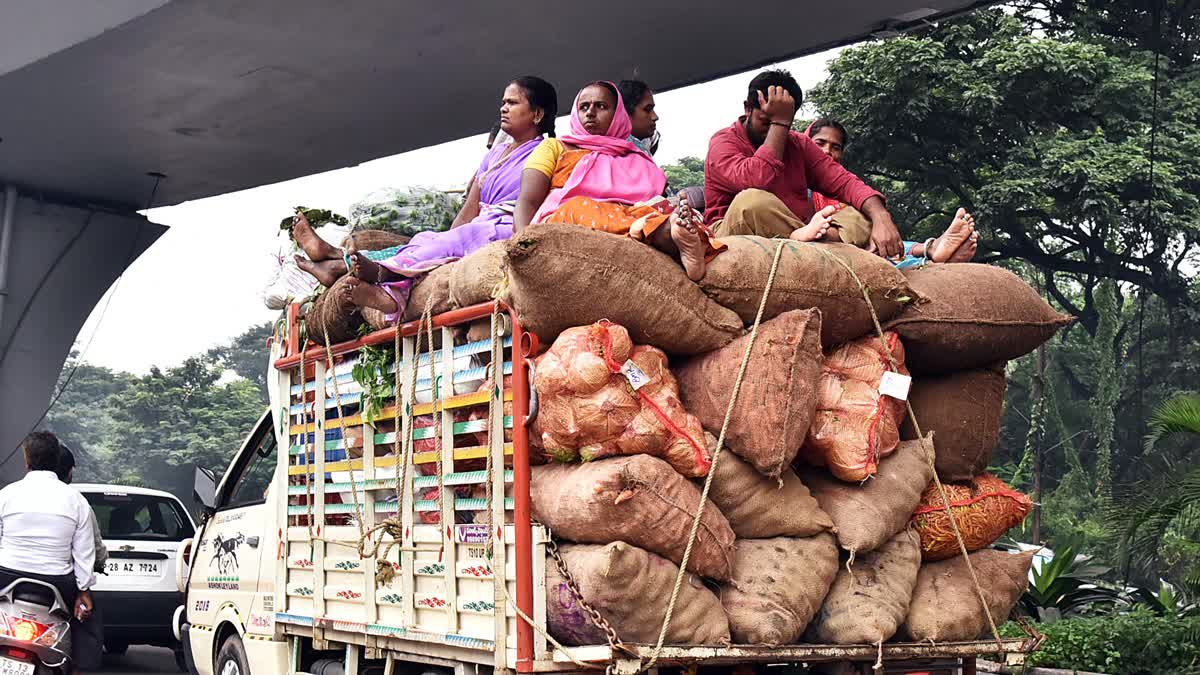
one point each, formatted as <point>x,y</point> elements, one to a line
<point>231,659</point>
<point>116,647</point>
<point>181,660</point>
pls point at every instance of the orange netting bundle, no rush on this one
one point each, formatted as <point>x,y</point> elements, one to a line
<point>856,425</point>
<point>602,396</point>
<point>984,509</point>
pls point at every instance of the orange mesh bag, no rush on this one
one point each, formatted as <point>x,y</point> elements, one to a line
<point>984,509</point>
<point>588,409</point>
<point>855,425</point>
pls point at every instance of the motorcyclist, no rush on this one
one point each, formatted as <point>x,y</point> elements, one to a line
<point>87,641</point>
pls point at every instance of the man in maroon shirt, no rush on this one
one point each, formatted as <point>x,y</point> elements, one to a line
<point>758,174</point>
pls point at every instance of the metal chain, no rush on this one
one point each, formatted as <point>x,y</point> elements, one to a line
<point>610,633</point>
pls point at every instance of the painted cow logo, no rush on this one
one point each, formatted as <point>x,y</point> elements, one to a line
<point>225,552</point>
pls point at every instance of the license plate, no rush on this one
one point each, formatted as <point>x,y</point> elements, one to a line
<point>130,568</point>
<point>11,667</point>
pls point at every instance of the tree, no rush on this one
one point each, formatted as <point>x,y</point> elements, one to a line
<point>1046,140</point>
<point>247,355</point>
<point>688,172</point>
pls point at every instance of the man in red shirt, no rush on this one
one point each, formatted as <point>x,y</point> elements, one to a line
<point>758,174</point>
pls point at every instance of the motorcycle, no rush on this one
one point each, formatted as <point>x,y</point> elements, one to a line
<point>35,630</point>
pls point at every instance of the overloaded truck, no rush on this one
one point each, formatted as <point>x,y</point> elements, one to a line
<point>389,511</point>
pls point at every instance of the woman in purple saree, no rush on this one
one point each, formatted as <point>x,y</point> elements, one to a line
<point>527,112</point>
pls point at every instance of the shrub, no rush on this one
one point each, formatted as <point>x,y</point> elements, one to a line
<point>1138,643</point>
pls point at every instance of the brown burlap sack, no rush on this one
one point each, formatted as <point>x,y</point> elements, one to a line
<point>333,315</point>
<point>963,411</point>
<point>855,425</point>
<point>433,287</point>
<point>565,275</point>
<point>758,507</point>
<point>777,587</point>
<point>808,277</point>
<point>866,515</point>
<point>639,500</point>
<point>374,240</point>
<point>868,602</point>
<point>479,276</point>
<point>630,587</point>
<point>974,315</point>
<point>983,509</point>
<point>778,396</point>
<point>945,606</point>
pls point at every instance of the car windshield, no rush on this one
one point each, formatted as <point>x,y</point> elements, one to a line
<point>139,517</point>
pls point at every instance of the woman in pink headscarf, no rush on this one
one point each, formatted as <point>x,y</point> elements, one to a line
<point>595,177</point>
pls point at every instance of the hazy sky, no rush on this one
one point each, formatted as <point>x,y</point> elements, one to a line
<point>209,269</point>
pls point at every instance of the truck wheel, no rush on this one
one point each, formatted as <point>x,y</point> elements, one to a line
<point>181,660</point>
<point>231,660</point>
<point>116,647</point>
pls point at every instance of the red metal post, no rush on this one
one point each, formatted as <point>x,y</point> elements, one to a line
<point>293,329</point>
<point>968,665</point>
<point>521,515</point>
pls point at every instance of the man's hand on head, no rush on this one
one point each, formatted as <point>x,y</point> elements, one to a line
<point>778,105</point>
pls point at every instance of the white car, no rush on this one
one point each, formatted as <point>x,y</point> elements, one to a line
<point>137,593</point>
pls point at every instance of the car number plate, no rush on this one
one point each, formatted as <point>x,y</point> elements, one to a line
<point>130,568</point>
<point>12,667</point>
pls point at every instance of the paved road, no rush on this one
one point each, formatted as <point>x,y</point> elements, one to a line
<point>141,661</point>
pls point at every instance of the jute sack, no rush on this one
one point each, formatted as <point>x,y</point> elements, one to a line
<point>856,425</point>
<point>334,315</point>
<point>945,606</point>
<point>778,585</point>
<point>758,507</point>
<point>973,315</point>
<point>639,500</point>
<point>566,275</point>
<point>479,276</point>
<point>809,276</point>
<point>984,510</point>
<point>868,602</point>
<point>963,411</point>
<point>374,240</point>
<point>778,396</point>
<point>630,587</point>
<point>866,515</point>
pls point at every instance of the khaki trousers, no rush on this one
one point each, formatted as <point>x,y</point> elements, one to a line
<point>761,213</point>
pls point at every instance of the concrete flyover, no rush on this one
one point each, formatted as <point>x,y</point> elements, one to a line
<point>223,95</point>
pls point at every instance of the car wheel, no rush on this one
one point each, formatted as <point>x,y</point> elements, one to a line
<point>115,647</point>
<point>231,660</point>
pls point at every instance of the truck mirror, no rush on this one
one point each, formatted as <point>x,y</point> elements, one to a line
<point>204,488</point>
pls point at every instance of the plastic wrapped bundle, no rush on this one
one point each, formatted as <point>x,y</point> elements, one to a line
<point>405,212</point>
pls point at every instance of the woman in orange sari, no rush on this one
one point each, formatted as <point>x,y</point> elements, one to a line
<point>595,177</point>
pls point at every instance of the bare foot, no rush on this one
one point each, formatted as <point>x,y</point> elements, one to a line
<point>686,234</point>
<point>314,247</point>
<point>967,251</point>
<point>816,228</point>
<point>363,294</point>
<point>327,271</point>
<point>955,236</point>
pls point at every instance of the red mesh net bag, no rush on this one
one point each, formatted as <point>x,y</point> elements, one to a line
<point>855,425</point>
<point>589,409</point>
<point>984,509</point>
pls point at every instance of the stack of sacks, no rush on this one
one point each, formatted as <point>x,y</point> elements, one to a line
<point>602,396</point>
<point>856,425</point>
<point>786,557</point>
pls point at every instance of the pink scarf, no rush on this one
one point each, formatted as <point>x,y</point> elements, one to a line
<point>615,170</point>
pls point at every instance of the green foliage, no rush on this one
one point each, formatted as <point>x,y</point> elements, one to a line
<point>1108,385</point>
<point>1068,584</point>
<point>1178,415</point>
<point>1135,643</point>
<point>316,218</point>
<point>374,373</point>
<point>688,172</point>
<point>247,355</point>
<point>1165,601</point>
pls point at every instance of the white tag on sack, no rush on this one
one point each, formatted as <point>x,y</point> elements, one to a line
<point>895,385</point>
<point>637,378</point>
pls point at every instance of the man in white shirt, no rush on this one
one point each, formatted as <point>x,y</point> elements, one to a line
<point>46,529</point>
<point>87,636</point>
